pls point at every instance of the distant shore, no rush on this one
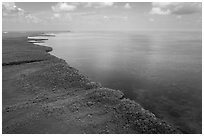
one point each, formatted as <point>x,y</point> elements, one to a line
<point>43,94</point>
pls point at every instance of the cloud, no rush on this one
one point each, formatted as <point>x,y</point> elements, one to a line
<point>151,20</point>
<point>56,15</point>
<point>9,6</point>
<point>62,18</point>
<point>159,11</point>
<point>179,17</point>
<point>71,6</point>
<point>122,18</point>
<point>63,7</point>
<point>9,9</point>
<point>32,19</point>
<point>187,8</point>
<point>127,6</point>
<point>99,4</point>
<point>84,13</point>
<point>105,17</point>
<point>176,8</point>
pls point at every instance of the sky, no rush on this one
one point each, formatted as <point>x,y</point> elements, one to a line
<point>101,16</point>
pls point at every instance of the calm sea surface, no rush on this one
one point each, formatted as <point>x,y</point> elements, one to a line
<point>160,70</point>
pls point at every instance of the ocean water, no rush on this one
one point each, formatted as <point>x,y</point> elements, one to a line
<point>161,70</point>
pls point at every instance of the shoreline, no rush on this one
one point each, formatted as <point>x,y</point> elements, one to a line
<point>43,94</point>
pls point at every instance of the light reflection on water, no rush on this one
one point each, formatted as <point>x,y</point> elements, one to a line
<point>160,70</point>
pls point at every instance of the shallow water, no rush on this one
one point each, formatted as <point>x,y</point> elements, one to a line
<point>160,70</point>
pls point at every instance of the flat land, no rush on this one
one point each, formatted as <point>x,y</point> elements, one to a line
<point>43,94</point>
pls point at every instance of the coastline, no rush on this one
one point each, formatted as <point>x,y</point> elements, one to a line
<point>40,89</point>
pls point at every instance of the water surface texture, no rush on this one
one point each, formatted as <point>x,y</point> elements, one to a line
<point>160,70</point>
